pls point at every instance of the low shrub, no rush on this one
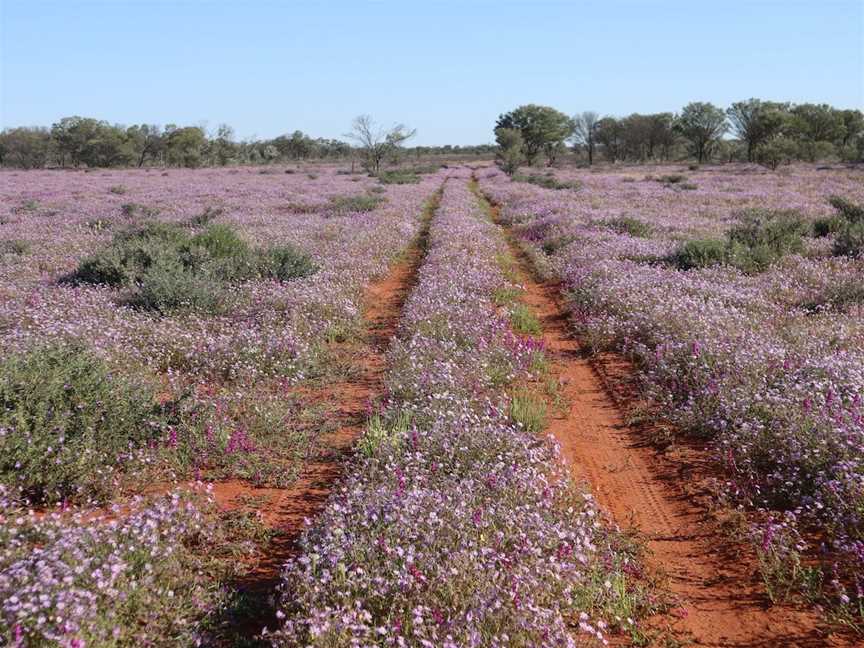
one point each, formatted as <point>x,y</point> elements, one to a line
<point>14,246</point>
<point>398,177</point>
<point>354,204</point>
<point>850,240</point>
<point>67,421</point>
<point>761,237</point>
<point>700,253</point>
<point>629,225</point>
<point>286,262</point>
<point>547,182</point>
<point>847,209</point>
<point>166,269</point>
<point>132,210</point>
<point>828,225</point>
<point>850,230</point>
<point>671,178</point>
<point>204,218</point>
<point>118,189</point>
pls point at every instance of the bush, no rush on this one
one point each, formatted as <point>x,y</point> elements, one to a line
<point>118,190</point>
<point>168,287</point>
<point>629,225</point>
<point>398,177</point>
<point>850,240</point>
<point>850,232</point>
<point>700,254</point>
<point>287,262</point>
<point>847,210</point>
<point>672,178</point>
<point>66,421</point>
<point>781,231</point>
<point>166,269</point>
<point>205,217</point>
<point>14,246</point>
<point>547,182</point>
<point>760,239</point>
<point>827,225</point>
<point>350,204</point>
<point>131,210</point>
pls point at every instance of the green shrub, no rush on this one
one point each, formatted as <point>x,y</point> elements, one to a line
<point>850,240</point>
<point>398,177</point>
<point>14,246</point>
<point>166,269</point>
<point>205,217</point>
<point>761,238</point>
<point>672,178</point>
<point>118,189</point>
<point>66,420</point>
<point>286,262</point>
<point>847,209</point>
<point>850,231</point>
<point>168,286</point>
<point>700,254</point>
<point>688,186</point>
<point>827,225</point>
<point>547,182</point>
<point>131,210</point>
<point>350,204</point>
<point>551,246</point>
<point>629,225</point>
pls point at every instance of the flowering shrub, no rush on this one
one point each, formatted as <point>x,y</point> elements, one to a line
<point>455,527</point>
<point>769,367</point>
<point>65,420</point>
<point>136,577</point>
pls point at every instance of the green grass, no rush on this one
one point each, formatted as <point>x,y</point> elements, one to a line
<point>528,410</point>
<point>522,320</point>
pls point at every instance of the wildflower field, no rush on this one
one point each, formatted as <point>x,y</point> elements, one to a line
<point>169,336</point>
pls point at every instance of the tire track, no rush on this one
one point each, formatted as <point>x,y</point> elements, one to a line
<point>285,510</point>
<point>721,601</point>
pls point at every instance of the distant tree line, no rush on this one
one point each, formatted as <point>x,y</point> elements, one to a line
<point>771,133</point>
<point>87,142</point>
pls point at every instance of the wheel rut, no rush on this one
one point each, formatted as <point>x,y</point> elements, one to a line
<point>285,510</point>
<point>718,598</point>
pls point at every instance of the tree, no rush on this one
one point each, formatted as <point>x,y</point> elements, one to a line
<point>608,135</point>
<point>702,124</point>
<point>585,132</point>
<point>377,142</point>
<point>27,148</point>
<point>90,141</point>
<point>661,133</point>
<point>755,121</point>
<point>145,142</point>
<point>509,155</point>
<point>853,122</point>
<point>543,129</point>
<point>776,151</point>
<point>185,146</point>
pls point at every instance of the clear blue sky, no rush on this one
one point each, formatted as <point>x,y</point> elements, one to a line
<point>447,68</point>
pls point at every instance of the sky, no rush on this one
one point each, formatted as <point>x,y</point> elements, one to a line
<point>447,68</point>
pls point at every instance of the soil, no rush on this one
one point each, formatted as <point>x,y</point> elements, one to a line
<point>718,597</point>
